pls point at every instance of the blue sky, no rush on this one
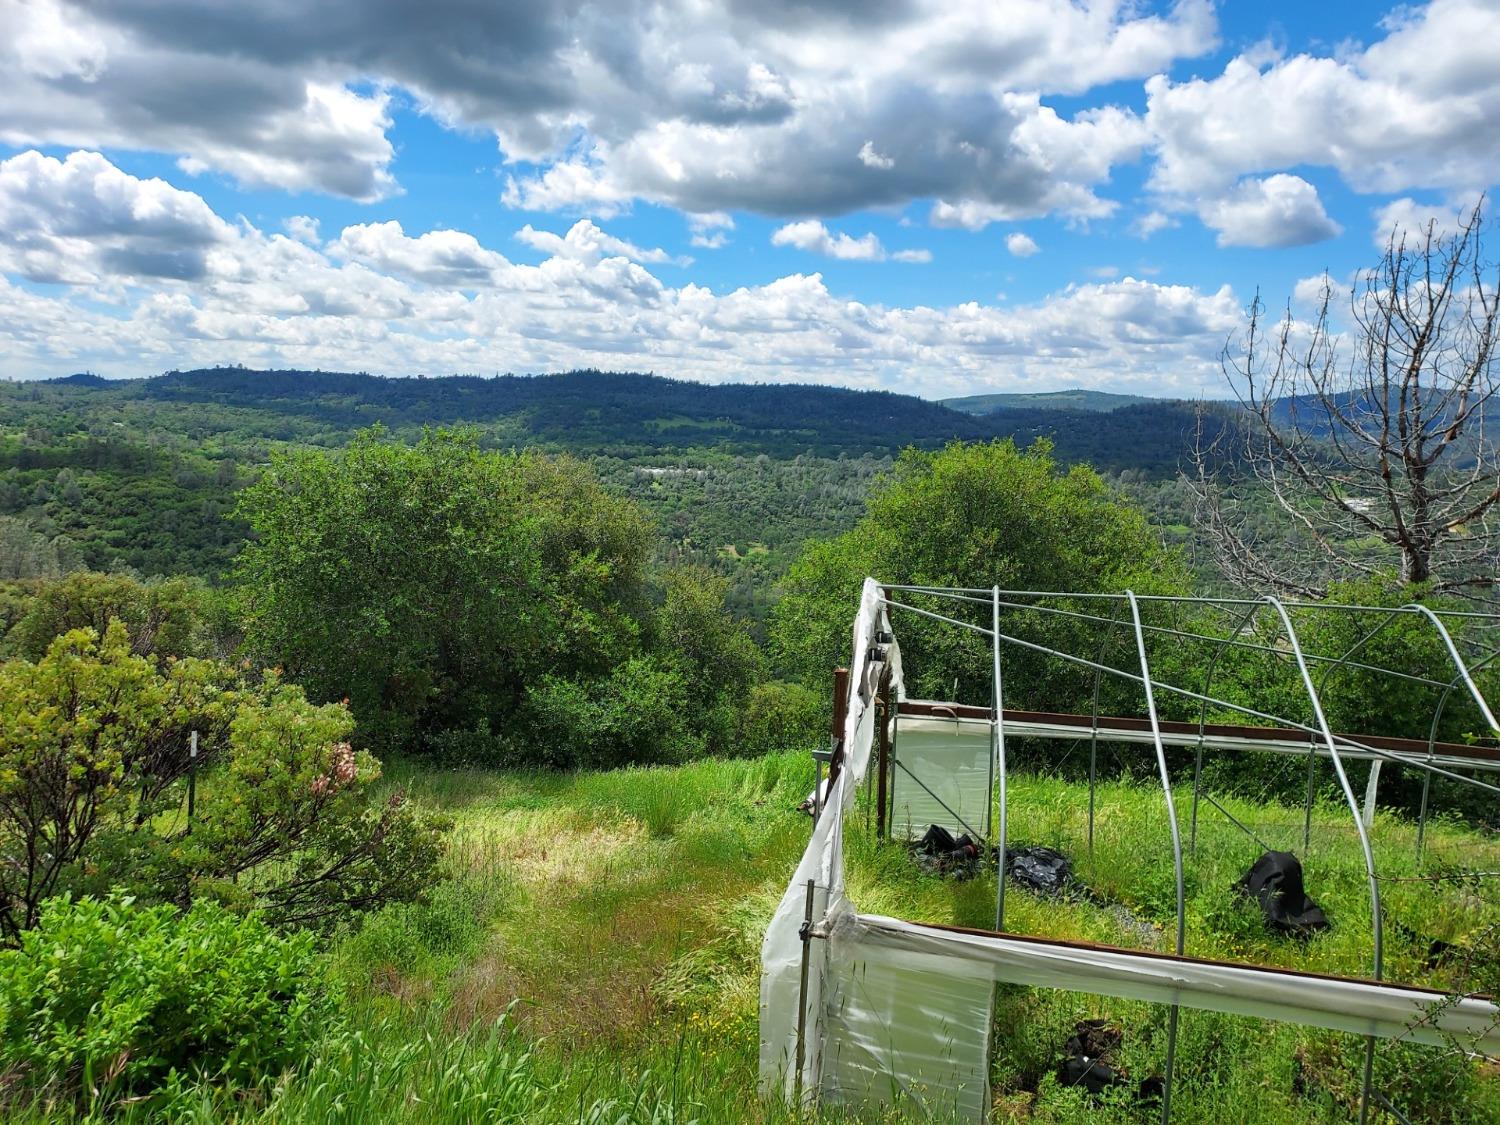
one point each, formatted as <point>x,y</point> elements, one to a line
<point>1020,195</point>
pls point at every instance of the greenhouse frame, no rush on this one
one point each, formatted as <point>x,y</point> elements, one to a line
<point>865,1011</point>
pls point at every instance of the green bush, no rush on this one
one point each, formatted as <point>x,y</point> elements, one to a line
<point>636,714</point>
<point>106,999</point>
<point>93,780</point>
<point>783,716</point>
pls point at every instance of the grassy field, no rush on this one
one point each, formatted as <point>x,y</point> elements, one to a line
<point>595,955</point>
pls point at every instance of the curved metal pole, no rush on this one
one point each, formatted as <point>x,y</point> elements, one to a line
<point>1463,669</point>
<point>1166,788</point>
<point>1208,682</point>
<point>1359,825</point>
<point>1000,762</point>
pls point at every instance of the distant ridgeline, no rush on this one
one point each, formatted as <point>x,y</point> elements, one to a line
<point>629,415</point>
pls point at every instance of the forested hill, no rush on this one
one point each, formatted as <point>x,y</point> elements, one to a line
<point>620,414</point>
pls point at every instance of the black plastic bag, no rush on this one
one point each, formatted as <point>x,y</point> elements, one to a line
<point>1275,881</point>
<point>1043,870</point>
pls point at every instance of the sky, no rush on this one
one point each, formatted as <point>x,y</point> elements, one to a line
<point>929,197</point>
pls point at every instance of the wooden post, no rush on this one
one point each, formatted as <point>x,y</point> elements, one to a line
<point>840,713</point>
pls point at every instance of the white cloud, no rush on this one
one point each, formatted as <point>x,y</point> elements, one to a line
<point>1104,273</point>
<point>872,159</point>
<point>1151,222</point>
<point>815,238</point>
<point>782,107</point>
<point>586,242</point>
<point>1418,108</point>
<point>378,298</point>
<point>1407,218</point>
<point>1021,245</point>
<point>1308,293</point>
<point>1279,210</point>
<point>304,228</point>
<point>82,220</point>
<point>439,257</point>
<point>710,230</point>
<point>920,256</point>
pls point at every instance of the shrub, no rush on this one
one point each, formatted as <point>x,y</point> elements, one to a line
<point>168,617</point>
<point>638,713</point>
<point>782,716</point>
<point>93,756</point>
<point>108,998</point>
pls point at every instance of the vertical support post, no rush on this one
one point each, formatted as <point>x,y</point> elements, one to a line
<point>998,727</point>
<point>884,714</point>
<point>1312,762</point>
<point>1166,788</point>
<point>840,707</point>
<point>806,936</point>
<point>835,739</point>
<point>192,777</point>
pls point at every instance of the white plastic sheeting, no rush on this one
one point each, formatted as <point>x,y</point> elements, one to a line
<point>822,864</point>
<point>1387,1011</point>
<point>903,1035</point>
<point>943,774</point>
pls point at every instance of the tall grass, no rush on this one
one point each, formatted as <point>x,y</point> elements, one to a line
<point>594,957</point>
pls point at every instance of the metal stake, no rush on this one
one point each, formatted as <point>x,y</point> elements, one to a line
<point>806,935</point>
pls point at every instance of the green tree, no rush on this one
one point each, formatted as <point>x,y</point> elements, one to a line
<point>430,584</point>
<point>715,655</point>
<point>974,516</point>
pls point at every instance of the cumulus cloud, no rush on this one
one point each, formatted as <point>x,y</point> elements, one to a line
<point>587,242</point>
<point>782,107</point>
<point>1021,245</point>
<point>1309,292</point>
<point>815,238</point>
<point>378,297</point>
<point>1279,210</point>
<point>440,257</point>
<point>872,159</point>
<point>304,228</point>
<point>710,230</point>
<point>1407,218</point>
<point>82,220</point>
<point>1418,108</point>
<point>1151,222</point>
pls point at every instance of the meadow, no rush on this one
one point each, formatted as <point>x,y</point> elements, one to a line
<point>593,956</point>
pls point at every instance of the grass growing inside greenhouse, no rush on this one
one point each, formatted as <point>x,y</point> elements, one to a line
<point>595,957</point>
<point>1228,1068</point>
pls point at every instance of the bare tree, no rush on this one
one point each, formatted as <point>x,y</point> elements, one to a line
<point>1375,434</point>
